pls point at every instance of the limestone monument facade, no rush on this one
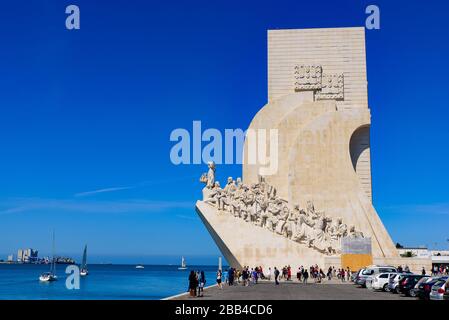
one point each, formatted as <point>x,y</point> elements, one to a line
<point>321,191</point>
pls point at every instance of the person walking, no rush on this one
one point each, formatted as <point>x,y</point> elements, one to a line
<point>423,271</point>
<point>201,283</point>
<point>231,274</point>
<point>219,276</point>
<point>192,283</point>
<point>255,276</point>
<point>342,275</point>
<point>329,273</point>
<point>305,276</point>
<point>276,275</point>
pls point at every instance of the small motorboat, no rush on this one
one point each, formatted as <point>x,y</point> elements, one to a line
<point>139,266</point>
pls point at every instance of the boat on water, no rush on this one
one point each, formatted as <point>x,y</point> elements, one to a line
<point>51,275</point>
<point>83,271</point>
<point>183,264</point>
<point>139,266</point>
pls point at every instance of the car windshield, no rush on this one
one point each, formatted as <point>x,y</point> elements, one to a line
<point>368,272</point>
<point>423,280</point>
<point>438,284</point>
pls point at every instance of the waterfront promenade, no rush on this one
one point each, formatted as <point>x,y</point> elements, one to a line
<point>330,290</point>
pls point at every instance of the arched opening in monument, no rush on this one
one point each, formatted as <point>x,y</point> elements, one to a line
<point>359,148</point>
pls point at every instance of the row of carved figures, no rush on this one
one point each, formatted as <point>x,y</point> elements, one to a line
<point>258,204</point>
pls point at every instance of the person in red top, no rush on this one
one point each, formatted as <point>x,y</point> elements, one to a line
<point>289,273</point>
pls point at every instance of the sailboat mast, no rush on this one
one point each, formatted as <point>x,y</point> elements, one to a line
<point>53,266</point>
<point>84,264</point>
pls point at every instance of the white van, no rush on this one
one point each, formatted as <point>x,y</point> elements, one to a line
<point>372,271</point>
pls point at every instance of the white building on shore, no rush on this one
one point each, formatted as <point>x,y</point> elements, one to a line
<point>438,256</point>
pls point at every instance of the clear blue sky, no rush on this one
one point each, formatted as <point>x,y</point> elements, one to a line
<point>93,109</point>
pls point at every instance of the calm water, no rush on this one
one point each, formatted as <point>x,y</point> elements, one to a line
<point>103,282</point>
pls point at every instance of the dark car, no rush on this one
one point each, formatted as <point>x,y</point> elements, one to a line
<point>355,275</point>
<point>424,289</point>
<point>408,282</point>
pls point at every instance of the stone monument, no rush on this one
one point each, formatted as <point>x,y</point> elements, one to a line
<point>321,190</point>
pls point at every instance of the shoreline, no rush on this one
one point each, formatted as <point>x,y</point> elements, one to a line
<point>186,293</point>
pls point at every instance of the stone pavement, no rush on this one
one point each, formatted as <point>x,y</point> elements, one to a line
<point>293,290</point>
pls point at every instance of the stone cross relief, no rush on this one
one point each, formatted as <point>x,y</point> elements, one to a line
<point>259,205</point>
<point>325,86</point>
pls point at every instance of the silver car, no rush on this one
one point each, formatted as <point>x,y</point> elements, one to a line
<point>438,290</point>
<point>394,281</point>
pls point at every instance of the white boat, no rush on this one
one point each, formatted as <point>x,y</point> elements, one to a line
<point>84,272</point>
<point>51,275</point>
<point>183,264</point>
<point>139,266</point>
<point>48,277</point>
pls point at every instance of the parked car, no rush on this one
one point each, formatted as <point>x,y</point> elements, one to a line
<point>394,281</point>
<point>380,281</point>
<point>423,288</point>
<point>438,290</point>
<point>446,293</point>
<point>408,282</point>
<point>356,274</point>
<point>415,291</point>
<point>372,271</point>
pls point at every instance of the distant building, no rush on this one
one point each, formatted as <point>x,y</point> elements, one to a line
<point>27,255</point>
<point>419,252</point>
<point>439,257</point>
<point>20,255</point>
<point>11,258</point>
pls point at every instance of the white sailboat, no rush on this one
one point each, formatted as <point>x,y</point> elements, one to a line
<point>183,264</point>
<point>50,276</point>
<point>84,271</point>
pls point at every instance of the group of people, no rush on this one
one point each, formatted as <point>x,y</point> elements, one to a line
<point>259,204</point>
<point>197,281</point>
<point>440,270</point>
<point>249,276</point>
<point>246,276</point>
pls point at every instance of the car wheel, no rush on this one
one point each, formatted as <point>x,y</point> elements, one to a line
<point>385,288</point>
<point>412,293</point>
<point>397,290</point>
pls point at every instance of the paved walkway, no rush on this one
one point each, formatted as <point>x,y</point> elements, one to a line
<point>294,291</point>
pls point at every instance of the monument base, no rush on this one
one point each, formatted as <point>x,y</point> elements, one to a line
<point>415,264</point>
<point>244,244</point>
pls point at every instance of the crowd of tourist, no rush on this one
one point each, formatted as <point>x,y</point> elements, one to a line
<point>250,276</point>
<point>440,270</point>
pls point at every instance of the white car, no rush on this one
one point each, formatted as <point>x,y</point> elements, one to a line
<point>380,281</point>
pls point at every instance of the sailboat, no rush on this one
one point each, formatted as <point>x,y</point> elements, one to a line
<point>183,264</point>
<point>84,271</point>
<point>50,276</point>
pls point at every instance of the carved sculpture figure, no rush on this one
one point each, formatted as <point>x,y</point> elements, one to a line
<point>259,205</point>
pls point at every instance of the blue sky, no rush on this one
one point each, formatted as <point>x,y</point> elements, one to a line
<point>86,117</point>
